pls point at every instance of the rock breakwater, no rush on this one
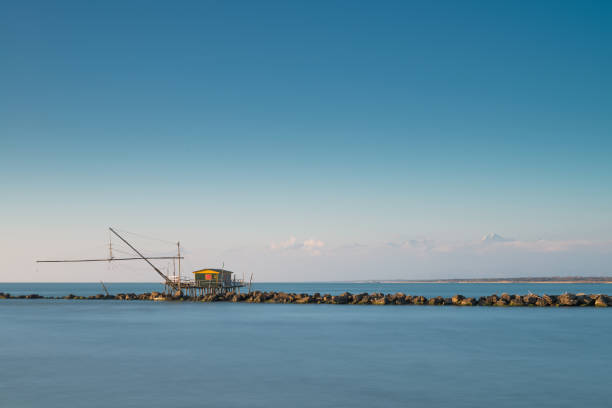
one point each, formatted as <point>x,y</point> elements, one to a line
<point>503,300</point>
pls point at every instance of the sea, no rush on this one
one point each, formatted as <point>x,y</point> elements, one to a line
<point>100,353</point>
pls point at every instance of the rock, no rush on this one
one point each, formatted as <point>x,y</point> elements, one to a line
<point>400,299</point>
<point>380,301</point>
<point>601,302</point>
<point>468,302</point>
<point>457,299</point>
<point>419,300</point>
<point>485,301</point>
<point>567,299</point>
<point>492,299</point>
<point>516,301</point>
<point>364,300</point>
<point>585,300</point>
<point>439,300</point>
<point>340,299</point>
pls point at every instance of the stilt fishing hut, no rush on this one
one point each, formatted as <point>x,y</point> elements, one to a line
<point>205,281</point>
<point>210,281</point>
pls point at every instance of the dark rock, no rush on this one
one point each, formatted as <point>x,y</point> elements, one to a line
<point>501,302</point>
<point>303,300</point>
<point>492,299</point>
<point>419,300</point>
<point>585,300</point>
<point>380,301</point>
<point>516,301</point>
<point>438,300</point>
<point>364,300</point>
<point>457,299</point>
<point>487,300</point>
<point>340,300</point>
<point>601,301</point>
<point>567,299</point>
<point>468,302</point>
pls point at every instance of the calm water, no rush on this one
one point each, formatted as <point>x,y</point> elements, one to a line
<point>424,289</point>
<point>146,354</point>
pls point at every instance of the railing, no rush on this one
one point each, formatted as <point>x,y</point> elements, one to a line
<point>206,283</point>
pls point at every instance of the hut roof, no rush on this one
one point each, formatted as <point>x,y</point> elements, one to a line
<point>212,270</point>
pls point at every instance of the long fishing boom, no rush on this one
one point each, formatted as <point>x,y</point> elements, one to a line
<point>107,259</point>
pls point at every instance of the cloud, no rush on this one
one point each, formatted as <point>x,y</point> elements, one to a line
<point>493,237</point>
<point>291,243</point>
<point>416,246</point>
<point>312,246</point>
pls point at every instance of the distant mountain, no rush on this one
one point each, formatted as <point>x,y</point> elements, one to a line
<point>493,237</point>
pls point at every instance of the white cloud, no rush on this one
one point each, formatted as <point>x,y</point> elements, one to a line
<point>493,237</point>
<point>312,246</point>
<point>291,243</point>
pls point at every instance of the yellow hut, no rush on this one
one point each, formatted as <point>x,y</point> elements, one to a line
<point>213,277</point>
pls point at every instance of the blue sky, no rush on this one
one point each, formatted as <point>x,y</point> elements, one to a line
<point>247,129</point>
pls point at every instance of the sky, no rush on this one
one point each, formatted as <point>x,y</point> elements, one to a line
<point>307,141</point>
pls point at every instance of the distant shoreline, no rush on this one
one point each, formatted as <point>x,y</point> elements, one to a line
<point>538,280</point>
<point>556,280</point>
